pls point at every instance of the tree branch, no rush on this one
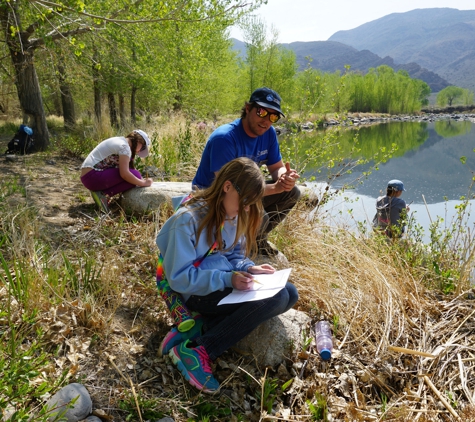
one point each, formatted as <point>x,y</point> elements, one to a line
<point>47,3</point>
<point>37,42</point>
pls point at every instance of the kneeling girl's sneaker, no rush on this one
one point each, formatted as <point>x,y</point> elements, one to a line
<point>195,366</point>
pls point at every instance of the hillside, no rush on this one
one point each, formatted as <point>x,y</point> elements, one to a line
<point>441,40</point>
<point>330,56</point>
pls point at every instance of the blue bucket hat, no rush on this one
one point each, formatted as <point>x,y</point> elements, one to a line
<point>396,185</point>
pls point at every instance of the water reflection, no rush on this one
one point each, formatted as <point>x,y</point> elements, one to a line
<point>429,162</point>
<point>428,159</point>
<point>352,210</point>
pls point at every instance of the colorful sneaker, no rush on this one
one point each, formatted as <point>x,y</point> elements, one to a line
<point>101,201</point>
<point>175,337</point>
<point>195,365</point>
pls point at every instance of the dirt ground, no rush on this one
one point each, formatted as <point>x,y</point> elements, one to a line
<point>55,196</point>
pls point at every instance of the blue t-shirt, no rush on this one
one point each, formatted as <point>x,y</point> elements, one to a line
<point>230,141</point>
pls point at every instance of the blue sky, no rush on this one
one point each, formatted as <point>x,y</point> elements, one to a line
<point>317,20</point>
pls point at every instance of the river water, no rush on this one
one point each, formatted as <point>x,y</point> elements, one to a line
<point>435,160</point>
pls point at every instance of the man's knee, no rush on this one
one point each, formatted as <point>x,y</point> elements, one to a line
<point>296,193</point>
<point>290,198</point>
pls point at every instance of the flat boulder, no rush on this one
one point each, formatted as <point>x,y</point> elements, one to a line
<point>142,201</point>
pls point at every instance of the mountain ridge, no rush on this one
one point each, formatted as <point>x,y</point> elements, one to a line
<point>441,40</point>
<point>436,45</point>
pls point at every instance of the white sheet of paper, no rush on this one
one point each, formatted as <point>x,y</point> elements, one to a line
<point>270,285</point>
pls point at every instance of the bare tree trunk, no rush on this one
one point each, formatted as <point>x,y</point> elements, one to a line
<point>97,90</point>
<point>133,110</point>
<point>67,101</point>
<point>28,87</point>
<point>57,108</point>
<point>178,100</point>
<point>112,110</point>
<point>123,117</point>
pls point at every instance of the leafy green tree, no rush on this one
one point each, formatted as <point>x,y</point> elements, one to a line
<point>467,97</point>
<point>29,24</point>
<point>310,90</point>
<point>448,95</point>
<point>385,91</point>
<point>266,62</point>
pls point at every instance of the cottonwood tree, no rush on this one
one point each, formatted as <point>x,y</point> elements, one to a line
<point>28,25</point>
<point>448,95</point>
<point>267,63</point>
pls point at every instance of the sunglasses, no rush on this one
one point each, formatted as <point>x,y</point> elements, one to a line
<point>262,112</point>
<point>144,147</point>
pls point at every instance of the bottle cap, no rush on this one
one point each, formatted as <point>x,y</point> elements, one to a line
<point>326,354</point>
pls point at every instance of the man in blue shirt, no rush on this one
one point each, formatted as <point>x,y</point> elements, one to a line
<point>253,136</point>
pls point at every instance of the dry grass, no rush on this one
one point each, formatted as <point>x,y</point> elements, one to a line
<point>402,352</point>
<point>395,340</point>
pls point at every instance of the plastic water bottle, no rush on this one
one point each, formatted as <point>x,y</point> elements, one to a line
<point>323,338</point>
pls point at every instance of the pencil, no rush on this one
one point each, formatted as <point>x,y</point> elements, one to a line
<point>254,280</point>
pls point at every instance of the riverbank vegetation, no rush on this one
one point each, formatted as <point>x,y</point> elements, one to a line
<point>454,95</point>
<point>79,304</point>
<point>77,296</point>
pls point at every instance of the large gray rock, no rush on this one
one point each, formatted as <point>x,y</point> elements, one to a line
<point>140,201</point>
<point>276,339</point>
<point>60,404</point>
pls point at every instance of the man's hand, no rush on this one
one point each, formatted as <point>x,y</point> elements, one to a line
<point>287,180</point>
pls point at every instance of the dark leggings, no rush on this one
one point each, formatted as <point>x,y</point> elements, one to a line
<point>225,325</point>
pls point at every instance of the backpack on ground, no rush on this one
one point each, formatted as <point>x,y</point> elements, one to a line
<point>22,142</point>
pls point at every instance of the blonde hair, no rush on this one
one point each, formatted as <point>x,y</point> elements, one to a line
<point>248,181</point>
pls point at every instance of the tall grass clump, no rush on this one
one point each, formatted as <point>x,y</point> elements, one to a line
<point>391,306</point>
<point>445,262</point>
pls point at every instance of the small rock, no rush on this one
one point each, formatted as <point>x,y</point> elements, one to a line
<point>283,372</point>
<point>11,158</point>
<point>60,404</point>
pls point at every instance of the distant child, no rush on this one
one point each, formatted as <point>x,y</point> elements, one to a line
<point>391,211</point>
<point>228,212</point>
<point>109,167</point>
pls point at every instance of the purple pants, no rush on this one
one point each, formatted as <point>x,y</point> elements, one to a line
<point>108,181</point>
